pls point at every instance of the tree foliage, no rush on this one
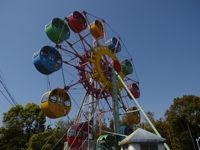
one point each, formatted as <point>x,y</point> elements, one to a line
<point>181,124</point>
<point>24,128</point>
<point>20,123</point>
<point>51,138</point>
<point>183,118</point>
<point>30,118</point>
<point>12,138</point>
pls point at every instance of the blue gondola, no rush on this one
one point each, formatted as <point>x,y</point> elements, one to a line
<point>125,130</point>
<point>122,131</point>
<point>114,45</point>
<point>47,60</point>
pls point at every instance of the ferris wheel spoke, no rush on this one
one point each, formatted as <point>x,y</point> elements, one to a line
<point>121,101</point>
<point>103,88</point>
<point>81,38</point>
<point>111,110</point>
<point>77,67</point>
<point>76,83</point>
<point>70,44</point>
<point>72,59</point>
<point>71,52</point>
<point>81,107</point>
<point>68,55</point>
<point>94,75</point>
<point>86,63</point>
<point>88,72</point>
<point>84,47</point>
<point>68,63</point>
<point>72,85</point>
<point>88,44</point>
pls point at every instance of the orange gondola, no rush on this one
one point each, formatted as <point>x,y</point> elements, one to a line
<point>97,29</point>
<point>132,116</point>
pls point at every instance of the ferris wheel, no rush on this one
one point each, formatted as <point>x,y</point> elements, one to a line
<point>93,54</point>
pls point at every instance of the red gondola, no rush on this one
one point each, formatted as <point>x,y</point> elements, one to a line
<point>76,22</point>
<point>77,136</point>
<point>116,65</point>
<point>134,90</point>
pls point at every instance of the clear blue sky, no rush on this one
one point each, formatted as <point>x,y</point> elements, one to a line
<point>162,36</point>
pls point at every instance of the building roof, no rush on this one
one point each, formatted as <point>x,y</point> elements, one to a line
<point>142,136</point>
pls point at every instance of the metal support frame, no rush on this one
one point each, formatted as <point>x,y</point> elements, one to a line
<point>113,133</point>
<point>138,105</point>
<point>115,101</point>
<point>115,104</point>
<point>82,104</point>
<point>90,117</point>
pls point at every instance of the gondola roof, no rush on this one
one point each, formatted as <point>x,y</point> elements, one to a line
<point>142,136</point>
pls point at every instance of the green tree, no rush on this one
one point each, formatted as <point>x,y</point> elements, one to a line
<point>19,125</point>
<point>181,124</point>
<point>30,118</point>
<point>33,119</point>
<point>13,136</point>
<point>183,118</point>
<point>13,117</point>
<point>145,124</point>
<point>51,138</point>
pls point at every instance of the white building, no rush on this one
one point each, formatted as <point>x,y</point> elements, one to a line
<point>142,140</point>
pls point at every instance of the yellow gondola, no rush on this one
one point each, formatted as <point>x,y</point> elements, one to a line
<point>133,117</point>
<point>56,103</point>
<point>97,29</point>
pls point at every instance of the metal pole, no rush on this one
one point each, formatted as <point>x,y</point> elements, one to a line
<point>115,101</point>
<point>191,135</point>
<point>91,107</point>
<point>115,104</point>
<point>115,133</point>
<point>197,140</point>
<point>90,118</point>
<point>138,105</point>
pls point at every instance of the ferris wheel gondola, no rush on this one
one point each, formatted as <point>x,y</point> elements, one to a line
<point>97,29</point>
<point>57,30</point>
<point>47,60</point>
<point>134,88</point>
<point>114,45</point>
<point>127,67</point>
<point>56,103</point>
<point>76,22</point>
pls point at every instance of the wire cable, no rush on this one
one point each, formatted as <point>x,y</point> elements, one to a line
<point>6,98</point>
<point>8,92</point>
